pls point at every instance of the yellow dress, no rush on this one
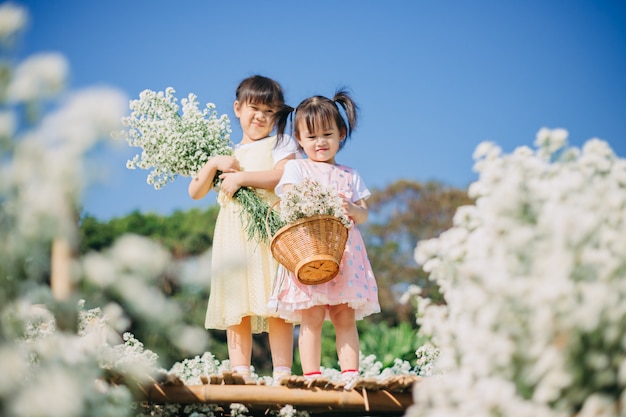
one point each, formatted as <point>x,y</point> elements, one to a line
<point>242,270</point>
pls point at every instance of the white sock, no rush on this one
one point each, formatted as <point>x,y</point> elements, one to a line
<point>242,370</point>
<point>281,372</point>
<point>312,375</point>
<point>348,374</point>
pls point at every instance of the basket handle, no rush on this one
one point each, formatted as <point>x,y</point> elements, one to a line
<point>267,217</point>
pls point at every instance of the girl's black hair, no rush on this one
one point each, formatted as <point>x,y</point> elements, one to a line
<point>258,89</point>
<point>320,111</point>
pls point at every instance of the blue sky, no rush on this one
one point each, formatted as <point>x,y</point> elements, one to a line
<point>433,78</point>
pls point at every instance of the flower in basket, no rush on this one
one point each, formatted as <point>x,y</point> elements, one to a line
<point>311,244</point>
<point>310,198</point>
<point>176,144</point>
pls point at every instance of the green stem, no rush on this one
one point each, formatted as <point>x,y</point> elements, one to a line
<point>254,214</point>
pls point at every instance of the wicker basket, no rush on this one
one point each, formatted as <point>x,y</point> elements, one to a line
<point>311,248</point>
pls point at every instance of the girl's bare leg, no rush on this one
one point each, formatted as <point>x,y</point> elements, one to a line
<point>347,336</point>
<point>239,339</point>
<point>281,345</point>
<point>310,341</point>
<point>281,342</point>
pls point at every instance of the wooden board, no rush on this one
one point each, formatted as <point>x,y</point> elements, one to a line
<point>368,396</point>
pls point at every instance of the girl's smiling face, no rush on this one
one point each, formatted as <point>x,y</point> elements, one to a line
<point>322,144</point>
<point>257,120</point>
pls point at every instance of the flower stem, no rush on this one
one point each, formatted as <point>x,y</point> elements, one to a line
<point>254,214</point>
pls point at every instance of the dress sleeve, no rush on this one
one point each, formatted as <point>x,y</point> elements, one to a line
<point>292,174</point>
<point>360,191</point>
<point>284,148</point>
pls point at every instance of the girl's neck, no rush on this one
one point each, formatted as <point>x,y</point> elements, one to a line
<point>246,140</point>
<point>330,161</point>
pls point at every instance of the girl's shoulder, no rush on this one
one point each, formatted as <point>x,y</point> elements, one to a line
<point>284,147</point>
<point>266,141</point>
<point>346,169</point>
<point>324,165</point>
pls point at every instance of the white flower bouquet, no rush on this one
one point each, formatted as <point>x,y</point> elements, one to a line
<point>312,241</point>
<point>176,144</point>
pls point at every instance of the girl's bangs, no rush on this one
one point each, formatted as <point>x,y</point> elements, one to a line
<point>319,117</point>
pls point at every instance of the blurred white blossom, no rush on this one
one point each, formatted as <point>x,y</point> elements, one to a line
<point>534,278</point>
<point>56,358</point>
<point>40,76</point>
<point>13,18</point>
<point>8,124</point>
<point>47,395</point>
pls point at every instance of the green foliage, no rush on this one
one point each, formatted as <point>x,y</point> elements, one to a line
<point>379,339</point>
<point>401,215</point>
<point>388,343</point>
<point>183,233</point>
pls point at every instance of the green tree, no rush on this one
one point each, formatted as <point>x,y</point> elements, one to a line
<point>184,233</point>
<point>401,214</point>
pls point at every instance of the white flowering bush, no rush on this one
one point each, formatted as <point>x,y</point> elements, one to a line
<point>58,359</point>
<point>310,198</point>
<point>534,279</point>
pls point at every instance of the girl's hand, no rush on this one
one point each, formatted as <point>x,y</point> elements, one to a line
<point>202,183</point>
<point>356,211</point>
<point>231,182</point>
<point>225,163</point>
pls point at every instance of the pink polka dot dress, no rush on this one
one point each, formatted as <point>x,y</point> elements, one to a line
<point>355,284</point>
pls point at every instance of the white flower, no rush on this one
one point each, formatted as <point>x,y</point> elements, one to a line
<point>38,77</point>
<point>14,365</point>
<point>54,392</point>
<point>141,255</point>
<point>238,409</point>
<point>551,140</point>
<point>487,150</point>
<point>189,339</point>
<point>310,198</point>
<point>13,18</point>
<point>99,270</point>
<point>8,124</point>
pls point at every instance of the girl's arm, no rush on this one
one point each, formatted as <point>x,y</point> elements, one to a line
<point>232,181</point>
<point>202,183</point>
<point>357,211</point>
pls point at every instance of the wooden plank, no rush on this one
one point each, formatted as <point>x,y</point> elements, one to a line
<point>255,397</point>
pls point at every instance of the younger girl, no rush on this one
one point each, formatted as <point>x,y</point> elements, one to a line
<point>321,132</point>
<point>242,270</point>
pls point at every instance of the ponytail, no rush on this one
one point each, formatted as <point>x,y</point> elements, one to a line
<point>350,108</point>
<point>281,117</point>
